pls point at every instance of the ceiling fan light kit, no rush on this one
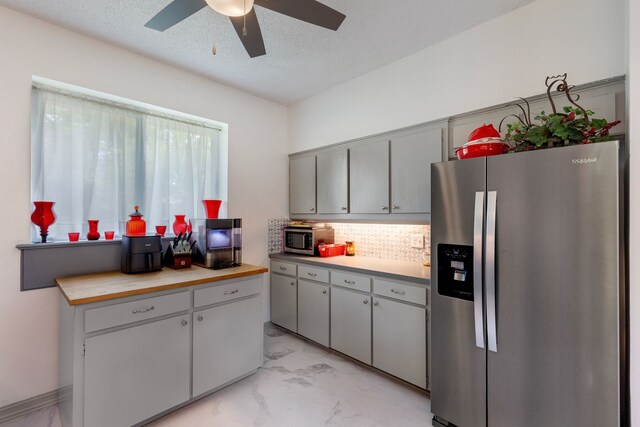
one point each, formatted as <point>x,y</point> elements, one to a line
<point>244,19</point>
<point>231,7</point>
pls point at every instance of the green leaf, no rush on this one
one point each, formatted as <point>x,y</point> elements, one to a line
<point>567,109</point>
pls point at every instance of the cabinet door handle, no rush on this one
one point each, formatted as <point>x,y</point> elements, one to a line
<point>385,208</point>
<point>283,268</point>
<point>396,207</point>
<point>324,292</point>
<point>200,318</point>
<point>293,283</point>
<point>376,303</point>
<point>184,322</point>
<point>366,301</point>
<point>312,274</point>
<point>395,291</point>
<point>344,208</point>
<point>312,209</point>
<point>235,291</point>
<point>142,310</point>
<point>349,282</point>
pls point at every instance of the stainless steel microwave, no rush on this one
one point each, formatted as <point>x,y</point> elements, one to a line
<point>305,241</point>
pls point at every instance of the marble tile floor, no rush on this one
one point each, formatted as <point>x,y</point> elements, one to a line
<point>300,384</point>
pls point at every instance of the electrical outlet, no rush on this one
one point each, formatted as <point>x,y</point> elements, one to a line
<point>417,240</point>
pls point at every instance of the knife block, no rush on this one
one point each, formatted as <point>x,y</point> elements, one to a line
<point>177,258</point>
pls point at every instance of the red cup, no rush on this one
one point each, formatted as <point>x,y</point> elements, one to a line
<point>161,229</point>
<point>74,236</point>
<point>108,235</point>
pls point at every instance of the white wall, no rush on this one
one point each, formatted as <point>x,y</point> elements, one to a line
<point>633,100</point>
<point>257,138</point>
<point>487,65</point>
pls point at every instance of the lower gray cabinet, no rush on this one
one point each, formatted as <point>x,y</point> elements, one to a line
<point>135,373</point>
<point>313,311</point>
<point>400,340</point>
<point>284,303</point>
<point>227,343</point>
<point>351,324</point>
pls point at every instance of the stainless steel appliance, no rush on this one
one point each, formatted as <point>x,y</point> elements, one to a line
<point>219,243</point>
<point>528,297</point>
<point>141,254</point>
<point>305,239</point>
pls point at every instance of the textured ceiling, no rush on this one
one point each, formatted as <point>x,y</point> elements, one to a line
<point>301,59</point>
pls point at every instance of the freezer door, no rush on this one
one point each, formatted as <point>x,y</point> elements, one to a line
<point>556,350</point>
<point>458,361</point>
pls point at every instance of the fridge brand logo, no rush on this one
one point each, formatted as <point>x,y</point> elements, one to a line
<point>584,161</point>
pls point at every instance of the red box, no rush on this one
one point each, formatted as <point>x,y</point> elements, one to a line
<point>333,249</point>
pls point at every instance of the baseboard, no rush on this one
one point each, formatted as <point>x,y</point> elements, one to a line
<point>24,407</point>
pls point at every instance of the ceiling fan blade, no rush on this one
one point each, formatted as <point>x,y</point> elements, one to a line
<point>175,12</point>
<point>252,42</point>
<point>309,11</point>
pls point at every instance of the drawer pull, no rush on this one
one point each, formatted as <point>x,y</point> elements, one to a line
<point>349,282</point>
<point>142,310</point>
<point>312,274</point>
<point>235,291</point>
<point>283,268</point>
<point>395,291</point>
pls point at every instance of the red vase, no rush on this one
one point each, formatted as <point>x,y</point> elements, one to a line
<point>180,225</point>
<point>43,217</point>
<point>136,226</point>
<point>93,233</point>
<point>211,207</point>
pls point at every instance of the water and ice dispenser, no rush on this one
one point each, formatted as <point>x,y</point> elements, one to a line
<point>455,271</point>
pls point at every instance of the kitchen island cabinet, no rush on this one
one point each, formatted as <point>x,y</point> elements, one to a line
<point>133,347</point>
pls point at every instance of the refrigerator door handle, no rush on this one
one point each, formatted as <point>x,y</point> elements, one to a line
<point>490,254</point>
<point>478,223</point>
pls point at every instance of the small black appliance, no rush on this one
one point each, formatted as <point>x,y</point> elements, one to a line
<point>141,254</point>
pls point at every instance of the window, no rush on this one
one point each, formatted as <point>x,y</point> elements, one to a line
<point>97,159</point>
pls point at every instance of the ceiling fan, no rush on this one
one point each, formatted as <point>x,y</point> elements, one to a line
<point>244,19</point>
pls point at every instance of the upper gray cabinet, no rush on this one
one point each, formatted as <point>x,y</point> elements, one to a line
<point>369,177</point>
<point>411,158</point>
<point>302,185</point>
<point>333,181</point>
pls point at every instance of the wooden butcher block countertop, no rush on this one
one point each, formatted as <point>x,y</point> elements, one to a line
<point>114,284</point>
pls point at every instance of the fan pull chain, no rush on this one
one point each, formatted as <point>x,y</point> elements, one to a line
<point>244,18</point>
<point>214,50</point>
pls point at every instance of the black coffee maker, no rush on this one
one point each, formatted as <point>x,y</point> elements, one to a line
<point>141,254</point>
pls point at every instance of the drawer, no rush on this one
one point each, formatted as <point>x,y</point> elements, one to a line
<point>129,312</point>
<point>313,273</point>
<point>228,291</point>
<point>351,281</point>
<point>400,291</point>
<point>284,268</point>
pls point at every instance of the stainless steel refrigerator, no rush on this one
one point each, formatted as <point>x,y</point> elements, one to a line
<point>527,291</point>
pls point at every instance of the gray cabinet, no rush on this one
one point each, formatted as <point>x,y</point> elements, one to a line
<point>313,311</point>
<point>302,185</point>
<point>396,326</point>
<point>411,158</point>
<point>369,178</point>
<point>333,182</point>
<point>227,343</point>
<point>135,373</point>
<point>351,324</point>
<point>284,305</point>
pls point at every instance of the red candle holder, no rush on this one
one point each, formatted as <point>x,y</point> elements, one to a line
<point>43,217</point>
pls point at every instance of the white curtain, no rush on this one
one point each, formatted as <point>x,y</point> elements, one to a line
<point>96,161</point>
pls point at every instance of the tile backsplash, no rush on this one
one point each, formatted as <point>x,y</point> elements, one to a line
<point>389,241</point>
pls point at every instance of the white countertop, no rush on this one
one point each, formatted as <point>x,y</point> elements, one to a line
<point>401,270</point>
